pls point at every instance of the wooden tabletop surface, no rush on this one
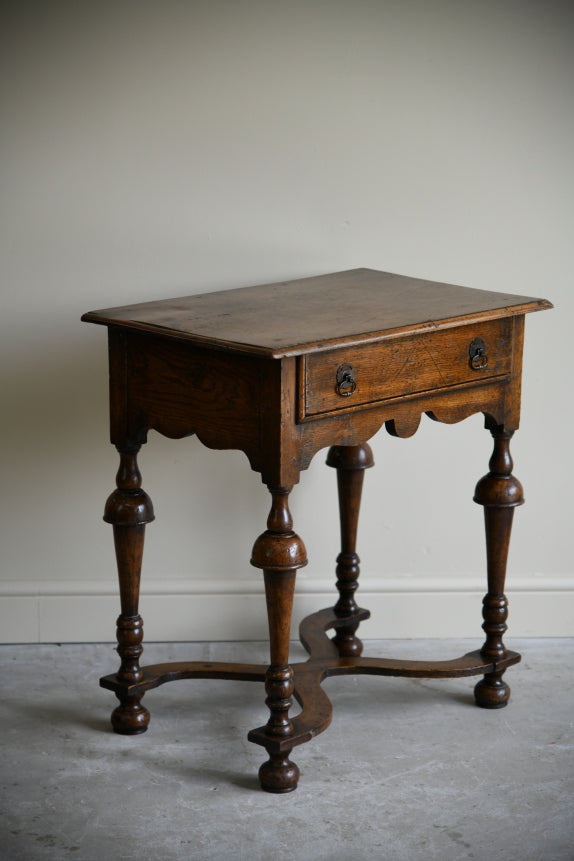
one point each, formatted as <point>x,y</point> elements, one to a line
<point>291,318</point>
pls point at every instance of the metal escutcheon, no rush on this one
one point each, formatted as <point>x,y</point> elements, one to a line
<point>477,353</point>
<point>346,383</point>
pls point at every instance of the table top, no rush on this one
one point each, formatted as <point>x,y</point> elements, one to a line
<point>291,318</point>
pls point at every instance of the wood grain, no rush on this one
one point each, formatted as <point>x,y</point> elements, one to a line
<point>291,318</point>
<point>403,366</point>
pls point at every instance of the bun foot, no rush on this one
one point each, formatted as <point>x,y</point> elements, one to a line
<point>278,774</point>
<point>491,692</point>
<point>130,718</point>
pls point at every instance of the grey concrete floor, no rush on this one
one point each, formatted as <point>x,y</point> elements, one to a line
<point>408,769</point>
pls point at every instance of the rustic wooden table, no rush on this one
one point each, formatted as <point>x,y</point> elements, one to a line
<point>280,371</point>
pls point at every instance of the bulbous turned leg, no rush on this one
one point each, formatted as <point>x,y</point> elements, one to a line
<point>279,552</point>
<point>128,509</point>
<point>499,492</point>
<point>350,463</point>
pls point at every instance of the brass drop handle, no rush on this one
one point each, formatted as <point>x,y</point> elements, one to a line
<point>346,382</point>
<point>477,353</point>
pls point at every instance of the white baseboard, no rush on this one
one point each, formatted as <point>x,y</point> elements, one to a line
<point>67,611</point>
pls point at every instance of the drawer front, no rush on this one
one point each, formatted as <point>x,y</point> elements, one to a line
<point>364,374</point>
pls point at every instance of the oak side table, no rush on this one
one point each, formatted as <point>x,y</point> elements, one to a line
<point>280,371</point>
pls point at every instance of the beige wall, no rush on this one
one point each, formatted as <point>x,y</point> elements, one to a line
<point>156,149</point>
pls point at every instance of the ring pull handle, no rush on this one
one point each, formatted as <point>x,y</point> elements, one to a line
<point>346,382</point>
<point>477,353</point>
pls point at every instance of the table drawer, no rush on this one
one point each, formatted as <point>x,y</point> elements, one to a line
<point>367,373</point>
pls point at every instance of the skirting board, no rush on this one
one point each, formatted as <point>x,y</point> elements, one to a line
<point>208,610</point>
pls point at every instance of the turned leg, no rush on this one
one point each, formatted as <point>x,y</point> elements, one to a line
<point>350,463</point>
<point>279,552</point>
<point>128,509</point>
<point>499,492</point>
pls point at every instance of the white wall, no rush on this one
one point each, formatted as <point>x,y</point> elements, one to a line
<point>156,149</point>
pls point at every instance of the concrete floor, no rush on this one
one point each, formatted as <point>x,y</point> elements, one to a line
<point>408,769</point>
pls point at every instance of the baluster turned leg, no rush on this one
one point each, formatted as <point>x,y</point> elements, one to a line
<point>350,463</point>
<point>128,509</point>
<point>499,492</point>
<point>279,552</point>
